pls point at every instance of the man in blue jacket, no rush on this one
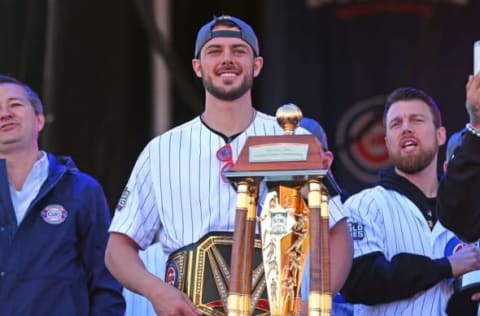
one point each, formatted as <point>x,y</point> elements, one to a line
<point>53,222</point>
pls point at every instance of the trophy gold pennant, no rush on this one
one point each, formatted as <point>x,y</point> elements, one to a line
<point>285,235</point>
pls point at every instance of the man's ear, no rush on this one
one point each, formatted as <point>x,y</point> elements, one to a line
<point>441,135</point>
<point>327,159</point>
<point>40,122</point>
<point>257,66</point>
<point>196,67</point>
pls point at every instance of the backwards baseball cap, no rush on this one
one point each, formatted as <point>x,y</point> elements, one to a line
<point>316,129</point>
<point>245,33</point>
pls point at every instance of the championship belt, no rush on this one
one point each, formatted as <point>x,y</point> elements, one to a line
<point>202,271</point>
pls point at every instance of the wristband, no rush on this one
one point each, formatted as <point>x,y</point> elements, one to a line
<point>473,130</point>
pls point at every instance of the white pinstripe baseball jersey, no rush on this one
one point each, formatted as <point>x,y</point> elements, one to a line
<point>387,221</point>
<point>176,190</point>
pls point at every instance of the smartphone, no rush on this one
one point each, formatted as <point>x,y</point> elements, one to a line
<point>476,57</point>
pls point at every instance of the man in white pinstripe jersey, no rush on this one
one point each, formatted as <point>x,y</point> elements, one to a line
<point>176,190</point>
<point>402,264</point>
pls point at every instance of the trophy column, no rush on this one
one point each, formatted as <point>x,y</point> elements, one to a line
<point>320,297</point>
<point>238,302</point>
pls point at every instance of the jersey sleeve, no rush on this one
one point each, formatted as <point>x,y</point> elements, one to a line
<point>365,223</point>
<point>337,211</point>
<point>136,214</point>
<point>373,278</point>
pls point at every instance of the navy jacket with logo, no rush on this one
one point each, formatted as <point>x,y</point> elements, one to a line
<point>53,262</point>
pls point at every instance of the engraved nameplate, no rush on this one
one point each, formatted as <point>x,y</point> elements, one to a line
<point>278,152</point>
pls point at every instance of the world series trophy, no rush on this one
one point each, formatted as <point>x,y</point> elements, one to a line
<point>290,229</point>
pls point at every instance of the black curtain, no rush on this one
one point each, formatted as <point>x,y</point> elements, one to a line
<point>90,62</point>
<point>98,87</point>
<point>22,38</point>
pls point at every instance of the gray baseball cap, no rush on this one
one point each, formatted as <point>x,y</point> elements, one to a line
<point>245,33</point>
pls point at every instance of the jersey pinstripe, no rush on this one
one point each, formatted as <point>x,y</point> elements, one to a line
<point>336,210</point>
<point>175,188</point>
<point>389,222</point>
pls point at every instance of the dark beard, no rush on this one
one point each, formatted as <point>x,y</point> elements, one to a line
<point>231,95</point>
<point>414,164</point>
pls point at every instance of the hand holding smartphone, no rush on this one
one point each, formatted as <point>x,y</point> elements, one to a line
<point>476,58</point>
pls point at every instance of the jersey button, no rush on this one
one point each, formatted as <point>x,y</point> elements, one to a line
<point>2,229</point>
<point>2,274</point>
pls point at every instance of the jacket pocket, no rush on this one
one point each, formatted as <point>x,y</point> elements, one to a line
<point>50,297</point>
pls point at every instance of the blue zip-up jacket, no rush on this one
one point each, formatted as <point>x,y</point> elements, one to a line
<point>53,262</point>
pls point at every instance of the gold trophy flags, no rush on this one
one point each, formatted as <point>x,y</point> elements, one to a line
<point>285,240</point>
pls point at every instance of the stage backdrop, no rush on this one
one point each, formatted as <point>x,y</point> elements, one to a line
<point>338,60</point>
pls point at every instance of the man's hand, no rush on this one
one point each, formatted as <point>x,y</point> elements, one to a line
<point>168,301</point>
<point>465,260</point>
<point>473,100</point>
<point>476,297</point>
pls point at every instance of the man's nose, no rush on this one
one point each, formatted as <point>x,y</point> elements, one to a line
<point>227,57</point>
<point>5,111</point>
<point>406,127</point>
